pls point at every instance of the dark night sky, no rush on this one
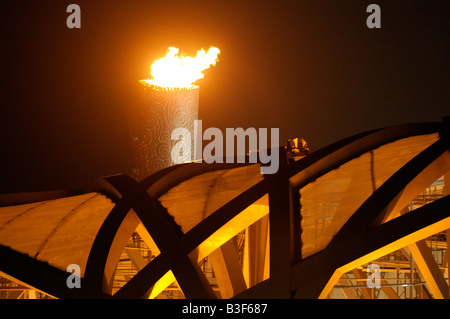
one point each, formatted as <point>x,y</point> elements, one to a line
<point>310,67</point>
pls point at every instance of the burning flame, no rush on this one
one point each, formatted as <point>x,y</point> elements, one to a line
<point>180,72</point>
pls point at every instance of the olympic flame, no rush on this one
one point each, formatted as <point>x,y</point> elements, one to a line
<point>176,71</point>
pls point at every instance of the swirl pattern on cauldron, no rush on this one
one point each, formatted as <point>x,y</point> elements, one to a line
<point>157,114</point>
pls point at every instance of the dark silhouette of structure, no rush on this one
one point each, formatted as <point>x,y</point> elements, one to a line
<point>224,230</point>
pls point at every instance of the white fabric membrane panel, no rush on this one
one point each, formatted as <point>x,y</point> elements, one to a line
<point>59,232</point>
<point>196,198</point>
<point>329,201</point>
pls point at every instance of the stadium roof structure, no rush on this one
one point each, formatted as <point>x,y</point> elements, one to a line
<point>226,231</point>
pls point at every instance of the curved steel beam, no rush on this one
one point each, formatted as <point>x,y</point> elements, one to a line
<point>95,266</point>
<point>186,244</point>
<point>161,227</point>
<point>381,202</point>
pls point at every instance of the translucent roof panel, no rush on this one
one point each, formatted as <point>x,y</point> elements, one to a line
<point>194,199</point>
<point>59,232</point>
<point>329,201</point>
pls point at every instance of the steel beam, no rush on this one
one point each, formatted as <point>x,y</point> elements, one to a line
<point>429,269</point>
<point>227,270</point>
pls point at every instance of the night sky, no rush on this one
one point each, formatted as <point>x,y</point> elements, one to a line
<point>312,68</point>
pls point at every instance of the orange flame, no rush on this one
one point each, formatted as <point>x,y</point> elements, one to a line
<point>180,72</point>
